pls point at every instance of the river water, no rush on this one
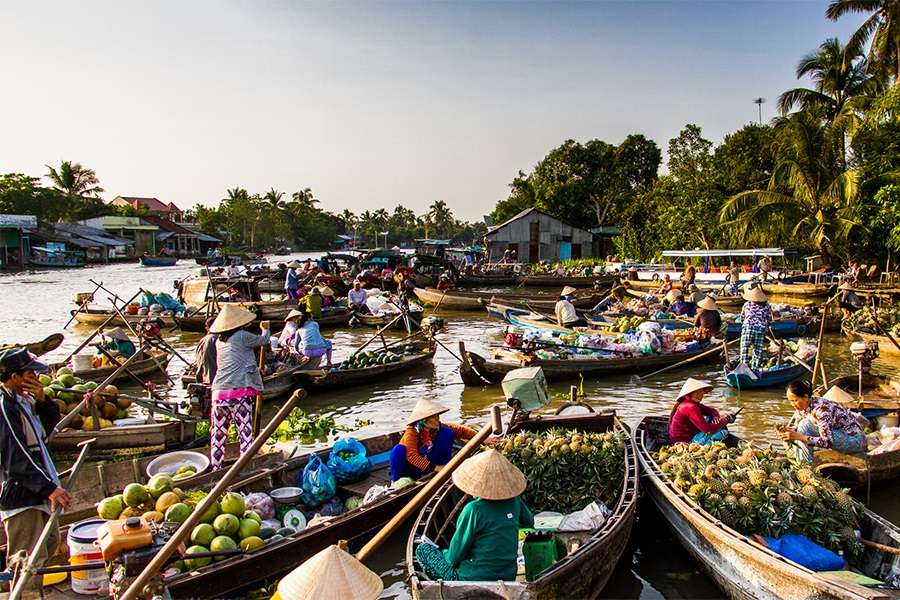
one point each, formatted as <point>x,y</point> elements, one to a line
<point>36,304</point>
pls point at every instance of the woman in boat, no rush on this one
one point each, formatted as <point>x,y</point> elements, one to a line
<point>678,306</point>
<point>848,300</point>
<point>309,342</point>
<point>665,287</point>
<point>820,423</point>
<point>237,381</point>
<point>292,281</point>
<point>357,298</point>
<point>313,303</point>
<point>291,324</point>
<point>733,278</point>
<point>688,275</point>
<point>756,316</point>
<point>485,544</point>
<point>427,443</point>
<point>327,296</point>
<point>566,315</point>
<point>118,343</point>
<point>708,320</point>
<point>205,356</point>
<point>444,283</point>
<point>693,421</point>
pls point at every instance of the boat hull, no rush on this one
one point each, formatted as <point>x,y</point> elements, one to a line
<point>765,379</point>
<point>322,380</point>
<point>460,300</point>
<point>152,435</point>
<point>554,281</point>
<point>158,261</point>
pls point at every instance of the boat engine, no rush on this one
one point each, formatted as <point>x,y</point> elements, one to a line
<point>128,546</point>
<point>864,353</point>
<point>432,325</point>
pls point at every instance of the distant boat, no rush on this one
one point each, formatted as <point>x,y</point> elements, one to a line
<point>158,261</point>
<point>47,258</point>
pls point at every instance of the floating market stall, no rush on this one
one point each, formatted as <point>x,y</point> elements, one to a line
<point>780,367</point>
<point>366,367</point>
<point>476,300</point>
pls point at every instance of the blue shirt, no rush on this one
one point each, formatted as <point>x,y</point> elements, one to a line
<point>291,281</point>
<point>308,337</point>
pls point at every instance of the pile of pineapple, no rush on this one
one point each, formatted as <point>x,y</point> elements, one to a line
<point>759,491</point>
<point>567,469</point>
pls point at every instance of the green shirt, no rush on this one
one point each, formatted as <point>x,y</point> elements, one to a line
<point>486,542</point>
<point>314,305</point>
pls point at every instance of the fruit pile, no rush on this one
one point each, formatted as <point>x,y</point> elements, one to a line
<point>64,387</point>
<point>568,469</point>
<point>623,324</point>
<point>888,318</point>
<point>758,491</point>
<point>226,525</point>
<point>368,359</point>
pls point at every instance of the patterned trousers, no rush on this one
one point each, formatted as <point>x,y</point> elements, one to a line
<point>434,564</point>
<point>753,339</point>
<point>225,412</point>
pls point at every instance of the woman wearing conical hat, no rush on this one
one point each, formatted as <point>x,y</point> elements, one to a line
<point>292,280</point>
<point>756,316</point>
<point>708,320</point>
<point>485,544</point>
<point>693,421</point>
<point>118,342</point>
<point>566,315</point>
<point>237,381</point>
<point>427,443</point>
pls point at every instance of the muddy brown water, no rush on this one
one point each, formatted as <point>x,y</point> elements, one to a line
<point>36,304</point>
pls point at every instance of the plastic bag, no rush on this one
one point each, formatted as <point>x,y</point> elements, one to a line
<point>261,503</point>
<point>348,461</point>
<point>317,482</point>
<point>806,552</point>
<point>590,517</point>
<point>147,299</point>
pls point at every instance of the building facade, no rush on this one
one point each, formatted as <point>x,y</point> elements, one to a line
<point>536,236</point>
<point>143,234</point>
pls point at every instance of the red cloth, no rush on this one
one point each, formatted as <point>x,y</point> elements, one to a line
<point>688,421</point>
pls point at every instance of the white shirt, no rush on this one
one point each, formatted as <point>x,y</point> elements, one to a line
<point>357,296</point>
<point>565,312</point>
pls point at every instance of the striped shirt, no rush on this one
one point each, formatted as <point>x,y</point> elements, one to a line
<point>414,440</point>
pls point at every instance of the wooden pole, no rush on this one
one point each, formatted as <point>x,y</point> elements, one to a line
<point>437,480</point>
<point>257,412</point>
<point>685,361</point>
<point>824,318</point>
<point>162,556</point>
<point>96,331</point>
<point>880,328</point>
<point>82,305</point>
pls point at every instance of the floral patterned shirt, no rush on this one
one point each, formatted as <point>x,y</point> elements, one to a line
<point>829,417</point>
<point>756,315</point>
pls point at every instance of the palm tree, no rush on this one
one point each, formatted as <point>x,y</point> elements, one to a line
<point>809,196</point>
<point>440,216</point>
<point>74,180</point>
<point>305,198</point>
<point>883,28</point>
<point>274,198</point>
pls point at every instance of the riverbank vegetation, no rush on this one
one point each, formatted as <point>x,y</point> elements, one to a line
<point>819,176</point>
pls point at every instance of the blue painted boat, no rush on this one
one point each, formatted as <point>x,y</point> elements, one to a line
<point>782,328</point>
<point>159,261</point>
<point>788,372</point>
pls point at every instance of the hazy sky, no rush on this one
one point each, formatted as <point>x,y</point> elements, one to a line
<point>375,104</point>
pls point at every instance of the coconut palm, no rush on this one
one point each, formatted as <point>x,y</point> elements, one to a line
<point>809,196</point>
<point>305,198</point>
<point>440,217</point>
<point>883,28</point>
<point>274,198</point>
<point>74,180</point>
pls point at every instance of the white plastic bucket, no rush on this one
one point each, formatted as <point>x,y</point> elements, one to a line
<point>888,420</point>
<point>82,362</point>
<point>83,547</point>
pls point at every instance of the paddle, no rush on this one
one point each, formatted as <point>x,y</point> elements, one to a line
<point>686,361</point>
<point>129,372</point>
<point>162,556</point>
<point>437,480</point>
<point>785,350</point>
<point>824,318</point>
<point>29,569</point>
<point>83,304</point>
<point>257,412</point>
<point>96,331</point>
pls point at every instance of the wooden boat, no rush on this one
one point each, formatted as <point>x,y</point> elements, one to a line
<point>47,258</point>
<point>477,370</point>
<point>740,567</point>
<point>547,280</point>
<point>275,385</point>
<point>155,362</point>
<point>379,321</point>
<point>521,317</point>
<point>48,344</point>
<point>94,317</point>
<point>725,303</point>
<point>160,435</point>
<point>420,353</point>
<point>884,343</point>
<point>581,574</point>
<point>799,289</point>
<point>786,373</point>
<point>500,277</point>
<point>782,328</point>
<point>465,300</point>
<point>158,261</point>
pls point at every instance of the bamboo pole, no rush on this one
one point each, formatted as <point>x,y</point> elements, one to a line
<point>162,556</point>
<point>96,331</point>
<point>824,318</point>
<point>685,361</point>
<point>83,304</point>
<point>257,412</point>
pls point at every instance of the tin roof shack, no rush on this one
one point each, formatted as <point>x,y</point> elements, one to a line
<point>174,238</point>
<point>49,250</point>
<point>143,234</point>
<point>101,246</point>
<point>15,243</point>
<point>536,236</point>
<point>207,242</point>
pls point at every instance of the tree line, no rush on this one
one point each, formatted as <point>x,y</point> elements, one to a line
<point>822,176</point>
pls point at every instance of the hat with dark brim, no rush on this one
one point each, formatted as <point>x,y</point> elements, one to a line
<point>20,359</point>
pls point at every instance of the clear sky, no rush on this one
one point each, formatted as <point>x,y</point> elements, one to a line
<point>374,104</point>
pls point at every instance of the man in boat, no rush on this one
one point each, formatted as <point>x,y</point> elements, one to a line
<point>485,543</point>
<point>756,316</point>
<point>688,275</point>
<point>29,483</point>
<point>820,422</point>
<point>444,283</point>
<point>763,266</point>
<point>678,306</point>
<point>733,278</point>
<point>205,355</point>
<point>848,300</point>
<point>292,281</point>
<point>357,298</point>
<point>118,343</point>
<point>708,320</point>
<point>665,287</point>
<point>566,315</point>
<point>313,303</point>
<point>693,421</point>
<point>427,443</point>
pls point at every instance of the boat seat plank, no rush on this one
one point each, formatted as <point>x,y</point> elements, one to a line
<point>379,476</point>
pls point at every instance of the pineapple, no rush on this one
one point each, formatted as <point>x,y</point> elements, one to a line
<point>784,499</point>
<point>776,477</point>
<point>845,503</point>
<point>744,502</point>
<point>717,486</point>
<point>684,484</point>
<point>804,475</point>
<point>809,492</point>
<point>725,463</point>
<point>710,471</point>
<point>848,534</point>
<point>757,476</point>
<point>713,500</point>
<point>711,456</point>
<point>738,488</point>
<point>697,490</point>
<point>731,500</point>
<point>727,515</point>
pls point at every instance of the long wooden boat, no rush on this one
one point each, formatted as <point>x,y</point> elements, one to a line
<point>782,328</point>
<point>158,261</point>
<point>503,277</point>
<point>155,362</point>
<point>521,317</point>
<point>382,320</point>
<point>419,355</point>
<point>884,343</point>
<point>465,300</point>
<point>94,317</point>
<point>275,384</point>
<point>786,373</point>
<point>48,344</point>
<point>546,280</point>
<point>477,370</point>
<point>740,567</point>
<point>799,289</point>
<point>581,574</point>
<point>160,435</point>
<point>725,303</point>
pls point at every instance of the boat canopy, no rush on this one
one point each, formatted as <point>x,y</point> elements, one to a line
<point>710,253</point>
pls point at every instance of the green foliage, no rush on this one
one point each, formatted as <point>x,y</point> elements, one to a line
<point>744,160</point>
<point>22,194</point>
<point>884,218</point>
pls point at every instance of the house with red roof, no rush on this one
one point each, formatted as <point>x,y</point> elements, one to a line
<point>153,205</point>
<point>173,237</point>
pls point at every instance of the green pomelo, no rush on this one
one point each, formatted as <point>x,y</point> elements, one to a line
<point>159,485</point>
<point>196,563</point>
<point>211,513</point>
<point>226,524</point>
<point>135,494</point>
<point>110,508</point>
<point>232,504</point>
<point>178,512</point>
<point>249,544</point>
<point>222,542</point>
<point>248,528</point>
<point>203,534</point>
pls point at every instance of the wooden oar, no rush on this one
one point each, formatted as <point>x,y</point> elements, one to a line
<point>96,331</point>
<point>83,304</point>
<point>495,426</point>
<point>257,412</point>
<point>824,318</point>
<point>686,361</point>
<point>874,316</point>
<point>29,569</point>
<point>162,556</point>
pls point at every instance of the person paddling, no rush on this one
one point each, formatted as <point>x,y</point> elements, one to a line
<point>427,443</point>
<point>708,320</point>
<point>693,421</point>
<point>292,281</point>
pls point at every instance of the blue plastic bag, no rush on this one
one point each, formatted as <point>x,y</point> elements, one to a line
<point>348,470</point>
<point>147,299</point>
<point>318,483</point>
<point>806,552</point>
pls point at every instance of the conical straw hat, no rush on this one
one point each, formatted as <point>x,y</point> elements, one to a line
<point>567,290</point>
<point>331,574</point>
<point>697,297</point>
<point>326,291</point>
<point>489,475</point>
<point>231,317</point>
<point>839,396</point>
<point>425,408</point>
<point>708,304</point>
<point>845,286</point>
<point>755,294</point>
<point>117,333</point>
<point>693,385</point>
<point>294,264</point>
<point>672,296</point>
<point>294,313</point>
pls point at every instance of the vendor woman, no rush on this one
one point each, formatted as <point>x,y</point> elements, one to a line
<point>693,421</point>
<point>485,544</point>
<point>427,443</point>
<point>566,315</point>
<point>118,342</point>
<point>708,320</point>
<point>756,316</point>
<point>821,423</point>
